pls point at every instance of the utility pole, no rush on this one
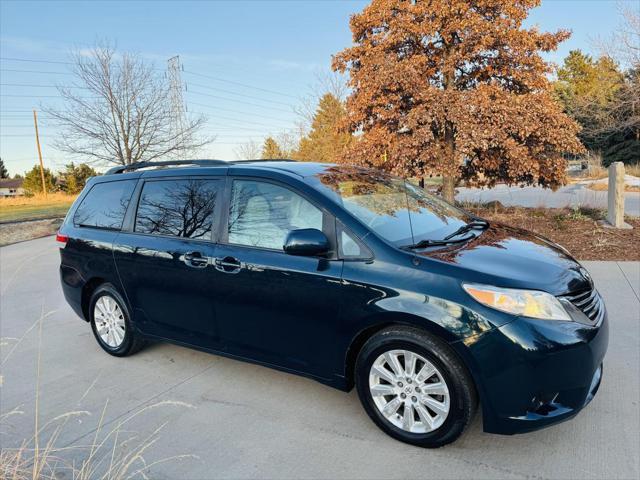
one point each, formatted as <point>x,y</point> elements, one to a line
<point>35,122</point>
<point>177,103</point>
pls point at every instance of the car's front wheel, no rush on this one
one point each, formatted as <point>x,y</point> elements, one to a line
<point>414,387</point>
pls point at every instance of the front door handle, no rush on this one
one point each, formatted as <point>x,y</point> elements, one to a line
<point>195,260</point>
<point>228,265</point>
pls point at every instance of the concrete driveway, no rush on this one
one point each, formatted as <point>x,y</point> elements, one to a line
<point>246,421</point>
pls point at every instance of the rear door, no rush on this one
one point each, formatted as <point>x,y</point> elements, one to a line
<point>274,307</point>
<point>165,255</point>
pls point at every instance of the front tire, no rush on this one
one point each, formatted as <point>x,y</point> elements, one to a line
<point>414,387</point>
<point>111,322</point>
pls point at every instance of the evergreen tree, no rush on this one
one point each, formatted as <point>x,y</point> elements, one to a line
<point>271,150</point>
<point>325,142</point>
<point>4,173</point>
<point>586,87</point>
<point>33,182</point>
<point>75,177</point>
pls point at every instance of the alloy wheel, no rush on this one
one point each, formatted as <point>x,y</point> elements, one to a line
<point>409,391</point>
<point>109,320</point>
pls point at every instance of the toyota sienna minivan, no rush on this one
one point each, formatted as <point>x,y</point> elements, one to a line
<point>345,275</point>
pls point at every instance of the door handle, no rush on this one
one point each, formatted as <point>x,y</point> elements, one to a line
<point>195,260</point>
<point>228,264</point>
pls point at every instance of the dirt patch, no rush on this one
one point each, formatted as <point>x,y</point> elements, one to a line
<point>578,230</point>
<point>21,231</point>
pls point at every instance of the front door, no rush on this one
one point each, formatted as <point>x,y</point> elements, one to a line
<point>165,260</point>
<point>274,307</point>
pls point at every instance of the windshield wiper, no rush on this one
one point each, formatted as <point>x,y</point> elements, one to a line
<point>436,243</point>
<point>475,223</point>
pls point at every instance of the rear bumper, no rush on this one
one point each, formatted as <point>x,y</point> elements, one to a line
<point>535,373</point>
<point>72,284</point>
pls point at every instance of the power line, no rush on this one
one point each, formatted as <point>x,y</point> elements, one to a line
<point>41,86</point>
<point>34,71</point>
<point>239,84</point>
<point>238,94</point>
<point>238,111</point>
<point>17,135</point>
<point>238,101</point>
<point>15,59</point>
<point>31,96</point>
<point>202,75</point>
<point>249,129</point>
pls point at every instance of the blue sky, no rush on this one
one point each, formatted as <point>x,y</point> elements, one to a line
<point>279,46</point>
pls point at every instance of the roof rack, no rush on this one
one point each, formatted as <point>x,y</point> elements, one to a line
<point>139,165</point>
<point>205,163</point>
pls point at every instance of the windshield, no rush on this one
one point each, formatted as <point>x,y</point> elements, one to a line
<point>398,211</point>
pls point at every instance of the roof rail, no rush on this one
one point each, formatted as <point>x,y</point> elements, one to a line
<point>139,165</point>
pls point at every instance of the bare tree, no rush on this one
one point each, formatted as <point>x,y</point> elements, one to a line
<point>621,116</point>
<point>624,42</point>
<point>118,110</point>
<point>249,150</point>
<point>334,83</point>
<point>289,141</point>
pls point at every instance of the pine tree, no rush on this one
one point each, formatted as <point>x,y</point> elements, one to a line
<point>271,150</point>
<point>4,173</point>
<point>325,142</point>
<point>75,177</point>
<point>456,88</point>
<point>601,98</point>
<point>33,182</point>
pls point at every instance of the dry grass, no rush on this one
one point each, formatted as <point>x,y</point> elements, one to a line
<point>603,187</point>
<point>14,209</point>
<point>116,453</point>
<point>55,198</point>
<point>578,229</point>
<point>632,169</point>
<point>596,170</point>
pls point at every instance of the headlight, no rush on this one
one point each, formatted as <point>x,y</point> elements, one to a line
<point>526,303</point>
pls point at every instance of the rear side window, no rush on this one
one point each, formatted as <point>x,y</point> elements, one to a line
<point>105,205</point>
<point>179,208</point>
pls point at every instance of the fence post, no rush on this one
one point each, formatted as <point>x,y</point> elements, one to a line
<point>615,196</point>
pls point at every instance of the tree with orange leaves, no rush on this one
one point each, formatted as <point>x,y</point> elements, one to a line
<point>455,88</point>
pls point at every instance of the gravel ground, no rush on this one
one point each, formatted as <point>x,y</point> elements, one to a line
<point>20,231</point>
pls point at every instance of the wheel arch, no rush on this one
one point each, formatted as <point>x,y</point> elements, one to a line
<point>379,322</point>
<point>87,291</point>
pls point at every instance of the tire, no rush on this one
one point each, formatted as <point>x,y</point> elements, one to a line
<point>450,386</point>
<point>123,339</point>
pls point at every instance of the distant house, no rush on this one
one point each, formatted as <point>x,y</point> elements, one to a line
<point>11,187</point>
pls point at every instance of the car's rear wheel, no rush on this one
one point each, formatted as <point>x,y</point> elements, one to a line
<point>414,387</point>
<point>111,322</point>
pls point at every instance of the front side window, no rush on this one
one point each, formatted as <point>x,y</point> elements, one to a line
<point>396,210</point>
<point>179,208</point>
<point>105,205</point>
<point>261,214</point>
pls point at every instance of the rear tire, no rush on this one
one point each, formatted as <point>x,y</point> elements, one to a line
<point>414,387</point>
<point>111,322</point>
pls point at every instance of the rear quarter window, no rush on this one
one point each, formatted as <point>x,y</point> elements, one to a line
<point>105,205</point>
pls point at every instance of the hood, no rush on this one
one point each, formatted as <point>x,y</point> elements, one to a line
<point>515,258</point>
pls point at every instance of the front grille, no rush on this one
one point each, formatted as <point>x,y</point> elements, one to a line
<point>590,303</point>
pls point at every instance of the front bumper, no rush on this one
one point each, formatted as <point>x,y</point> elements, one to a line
<point>534,373</point>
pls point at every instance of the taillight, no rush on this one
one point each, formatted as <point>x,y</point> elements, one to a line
<point>62,240</point>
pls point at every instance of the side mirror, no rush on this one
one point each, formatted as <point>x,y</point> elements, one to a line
<point>306,242</point>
